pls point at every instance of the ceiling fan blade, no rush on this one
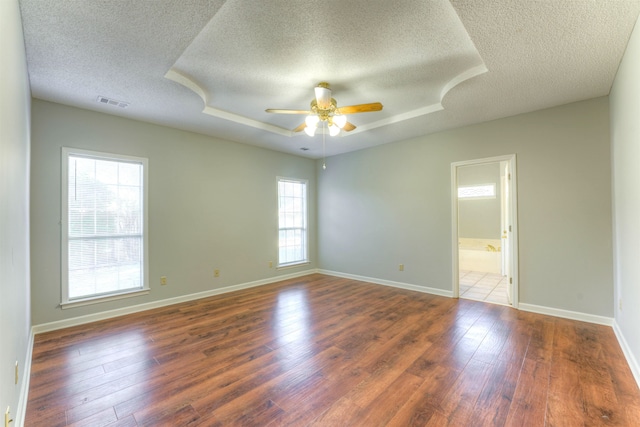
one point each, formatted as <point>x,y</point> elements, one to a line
<point>361,108</point>
<point>348,127</point>
<point>300,128</point>
<point>278,111</point>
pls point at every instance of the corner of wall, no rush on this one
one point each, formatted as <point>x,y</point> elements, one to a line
<point>628,354</point>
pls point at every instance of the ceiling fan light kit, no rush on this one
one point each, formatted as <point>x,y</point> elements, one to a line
<point>310,130</point>
<point>324,109</point>
<point>340,120</point>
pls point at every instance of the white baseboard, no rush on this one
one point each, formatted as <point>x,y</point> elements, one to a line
<point>81,320</point>
<point>21,410</point>
<point>567,314</point>
<point>407,286</point>
<point>628,354</point>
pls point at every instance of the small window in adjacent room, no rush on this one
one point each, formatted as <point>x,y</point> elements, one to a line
<point>292,222</point>
<point>104,226</point>
<point>484,191</point>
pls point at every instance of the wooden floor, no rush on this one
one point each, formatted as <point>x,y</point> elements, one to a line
<point>325,351</point>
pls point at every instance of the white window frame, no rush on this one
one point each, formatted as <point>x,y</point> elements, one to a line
<point>66,301</point>
<point>464,197</point>
<point>305,227</point>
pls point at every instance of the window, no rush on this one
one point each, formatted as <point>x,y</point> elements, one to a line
<point>292,222</point>
<point>104,225</point>
<point>484,191</point>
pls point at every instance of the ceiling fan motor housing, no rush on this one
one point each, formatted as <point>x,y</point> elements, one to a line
<point>323,95</point>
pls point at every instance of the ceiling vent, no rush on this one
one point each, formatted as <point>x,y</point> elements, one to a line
<point>109,101</point>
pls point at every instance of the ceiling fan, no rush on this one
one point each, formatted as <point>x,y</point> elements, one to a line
<point>325,109</point>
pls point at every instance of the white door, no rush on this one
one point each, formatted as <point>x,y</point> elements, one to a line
<point>506,225</point>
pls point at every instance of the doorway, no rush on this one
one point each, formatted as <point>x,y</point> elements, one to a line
<point>484,237</point>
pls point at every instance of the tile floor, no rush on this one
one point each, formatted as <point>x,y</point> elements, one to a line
<point>486,287</point>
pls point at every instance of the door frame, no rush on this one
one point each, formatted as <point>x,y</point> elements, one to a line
<point>513,258</point>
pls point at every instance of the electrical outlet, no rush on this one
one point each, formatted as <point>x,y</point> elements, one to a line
<point>401,267</point>
<point>216,273</point>
<point>17,373</point>
<point>163,280</point>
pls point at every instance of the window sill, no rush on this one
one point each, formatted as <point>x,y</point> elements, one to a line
<point>288,266</point>
<point>101,299</point>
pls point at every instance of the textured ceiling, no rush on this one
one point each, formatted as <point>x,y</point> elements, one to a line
<point>213,67</point>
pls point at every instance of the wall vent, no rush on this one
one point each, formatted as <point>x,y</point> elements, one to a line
<point>109,101</point>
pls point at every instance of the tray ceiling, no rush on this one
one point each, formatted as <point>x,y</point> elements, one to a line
<point>213,67</point>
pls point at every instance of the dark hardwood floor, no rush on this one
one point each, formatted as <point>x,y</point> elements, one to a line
<point>326,351</point>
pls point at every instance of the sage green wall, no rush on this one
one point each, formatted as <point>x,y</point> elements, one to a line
<point>625,140</point>
<point>479,218</point>
<point>212,204</point>
<point>15,98</point>
<point>391,204</point>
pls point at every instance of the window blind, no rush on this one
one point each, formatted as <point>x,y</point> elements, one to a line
<point>292,219</point>
<point>105,226</point>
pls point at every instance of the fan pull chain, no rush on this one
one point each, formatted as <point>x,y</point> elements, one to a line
<point>324,165</point>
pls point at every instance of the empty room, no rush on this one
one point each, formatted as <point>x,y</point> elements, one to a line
<point>363,213</point>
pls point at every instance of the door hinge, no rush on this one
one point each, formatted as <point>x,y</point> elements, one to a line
<point>509,228</point>
<point>509,177</point>
<point>511,280</point>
